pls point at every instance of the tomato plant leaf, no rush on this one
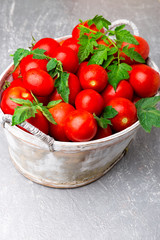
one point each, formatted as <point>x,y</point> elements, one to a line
<point>107,62</point>
<point>22,113</point>
<point>109,112</point>
<point>46,113</point>
<point>53,103</point>
<point>100,22</point>
<point>102,122</point>
<point>22,101</point>
<point>117,29</point>
<point>147,112</point>
<point>99,55</point>
<point>52,64</point>
<point>125,36</point>
<point>61,83</point>
<point>38,53</point>
<point>133,54</point>
<point>18,55</point>
<point>86,48</point>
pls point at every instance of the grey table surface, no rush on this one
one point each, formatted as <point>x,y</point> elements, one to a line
<point>122,205</point>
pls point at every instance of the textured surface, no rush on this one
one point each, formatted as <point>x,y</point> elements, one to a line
<point>122,205</point>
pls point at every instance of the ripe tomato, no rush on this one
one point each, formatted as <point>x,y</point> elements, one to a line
<point>44,100</point>
<point>80,67</point>
<point>72,43</point>
<point>17,82</point>
<point>48,44</point>
<point>76,31</point>
<point>39,82</point>
<point>40,122</point>
<point>29,62</point>
<point>80,126</point>
<point>103,132</point>
<point>7,105</point>
<point>90,100</point>
<point>142,49</point>
<point>124,89</point>
<point>127,113</point>
<point>68,58</point>
<point>16,73</point>
<point>59,113</point>
<point>93,77</point>
<point>144,80</point>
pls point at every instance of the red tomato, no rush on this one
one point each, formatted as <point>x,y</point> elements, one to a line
<point>101,42</point>
<point>142,49</point>
<point>80,126</point>
<point>68,58</point>
<point>39,82</point>
<point>43,100</point>
<point>7,105</point>
<point>93,77</point>
<point>127,113</point>
<point>135,99</point>
<point>72,44</point>
<point>76,31</point>
<point>55,96</point>
<point>103,132</point>
<point>81,65</point>
<point>40,122</point>
<point>18,82</point>
<point>16,73</point>
<point>29,62</point>
<point>144,80</point>
<point>90,100</point>
<point>124,89</point>
<point>59,113</point>
<point>48,44</point>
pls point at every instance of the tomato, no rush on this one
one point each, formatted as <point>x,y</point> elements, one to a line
<point>127,113</point>
<point>103,132</point>
<point>68,58</point>
<point>135,99</point>
<point>48,44</point>
<point>43,100</point>
<point>59,113</point>
<point>142,49</point>
<point>39,82</point>
<point>16,73</point>
<point>18,82</point>
<point>29,62</point>
<point>93,77</point>
<point>72,43</point>
<point>124,89</point>
<point>90,100</point>
<point>55,96</point>
<point>144,80</point>
<point>76,31</point>
<point>7,105</point>
<point>80,67</point>
<point>80,126</point>
<point>40,122</point>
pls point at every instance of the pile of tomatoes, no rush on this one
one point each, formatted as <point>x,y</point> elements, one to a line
<point>90,91</point>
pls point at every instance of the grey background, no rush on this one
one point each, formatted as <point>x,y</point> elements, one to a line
<point>122,205</point>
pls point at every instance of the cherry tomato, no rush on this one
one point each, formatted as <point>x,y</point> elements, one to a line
<point>80,67</point>
<point>93,77</point>
<point>7,105</point>
<point>17,82</point>
<point>39,82</point>
<point>48,44</point>
<point>68,58</point>
<point>127,113</point>
<point>135,99</point>
<point>103,132</point>
<point>80,126</point>
<point>90,100</point>
<point>16,73</point>
<point>144,80</point>
<point>72,43</point>
<point>59,113</point>
<point>29,62</point>
<point>76,31</point>
<point>124,89</point>
<point>142,49</point>
<point>43,100</point>
<point>55,96</point>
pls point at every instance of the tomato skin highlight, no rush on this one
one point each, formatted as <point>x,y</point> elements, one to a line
<point>59,113</point>
<point>124,89</point>
<point>144,80</point>
<point>48,44</point>
<point>71,43</point>
<point>68,58</point>
<point>39,82</point>
<point>142,49</point>
<point>80,126</point>
<point>7,105</point>
<point>127,113</point>
<point>90,100</point>
<point>93,77</point>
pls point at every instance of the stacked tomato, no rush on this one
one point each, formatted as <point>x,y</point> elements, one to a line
<point>90,91</point>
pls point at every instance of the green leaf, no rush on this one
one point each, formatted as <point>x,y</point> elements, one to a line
<point>102,122</point>
<point>53,103</point>
<point>22,113</point>
<point>61,83</point>
<point>86,49</point>
<point>147,113</point>
<point>109,112</point>
<point>99,55</point>
<point>46,113</point>
<point>22,101</point>
<point>130,52</point>
<point>18,55</point>
<point>117,73</point>
<point>108,61</point>
<point>51,64</point>
<point>117,29</point>
<point>112,51</point>
<point>36,101</point>
<point>125,36</point>
<point>100,22</point>
<point>38,53</point>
